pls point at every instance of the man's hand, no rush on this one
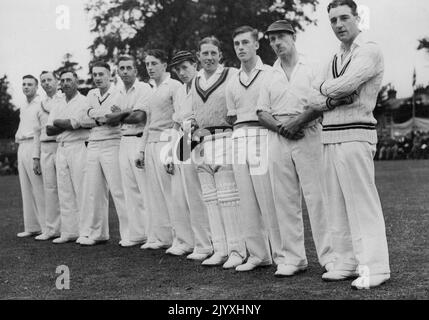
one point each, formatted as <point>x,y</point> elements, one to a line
<point>231,119</point>
<point>115,109</point>
<point>169,167</point>
<point>194,126</point>
<point>291,129</point>
<point>139,162</point>
<point>114,119</point>
<point>333,103</point>
<point>36,167</point>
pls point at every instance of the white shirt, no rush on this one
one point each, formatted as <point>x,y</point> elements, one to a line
<point>137,95</point>
<point>42,115</point>
<point>27,119</point>
<point>71,110</point>
<point>159,108</point>
<point>98,107</point>
<point>242,92</point>
<point>281,96</point>
<point>183,104</point>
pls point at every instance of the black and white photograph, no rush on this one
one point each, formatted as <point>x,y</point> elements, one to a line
<point>214,154</point>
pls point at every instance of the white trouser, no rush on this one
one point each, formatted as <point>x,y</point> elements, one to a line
<point>133,180</point>
<point>198,211</point>
<point>296,165</point>
<point>251,174</point>
<point>181,216</point>
<point>33,199</point>
<point>158,184</point>
<point>102,174</point>
<point>220,195</point>
<point>49,173</point>
<point>355,216</point>
<point>70,160</point>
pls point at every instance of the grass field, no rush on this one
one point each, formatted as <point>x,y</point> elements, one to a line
<point>27,267</point>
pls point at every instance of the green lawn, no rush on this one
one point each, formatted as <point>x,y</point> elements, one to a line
<point>27,267</point>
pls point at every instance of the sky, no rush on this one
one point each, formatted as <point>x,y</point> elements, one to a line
<point>31,39</point>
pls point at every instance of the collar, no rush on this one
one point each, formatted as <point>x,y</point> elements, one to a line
<point>57,95</point>
<point>165,81</point>
<point>35,99</point>
<point>123,90</point>
<point>108,92</point>
<point>74,98</point>
<point>219,70</point>
<point>277,66</point>
<point>259,65</point>
<point>357,42</point>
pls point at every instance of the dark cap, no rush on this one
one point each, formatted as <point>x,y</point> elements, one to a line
<point>280,26</point>
<point>182,56</point>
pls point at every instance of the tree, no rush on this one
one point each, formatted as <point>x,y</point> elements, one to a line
<point>9,117</point>
<point>133,26</point>
<point>423,44</point>
<point>68,64</point>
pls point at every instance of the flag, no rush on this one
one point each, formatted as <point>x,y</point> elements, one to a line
<point>414,77</point>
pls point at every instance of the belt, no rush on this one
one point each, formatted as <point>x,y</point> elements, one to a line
<point>140,134</point>
<point>48,141</point>
<point>25,139</point>
<point>247,124</point>
<point>283,117</point>
<point>217,129</point>
<point>66,143</point>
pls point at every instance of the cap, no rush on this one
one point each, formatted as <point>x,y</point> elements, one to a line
<point>181,56</point>
<point>280,26</point>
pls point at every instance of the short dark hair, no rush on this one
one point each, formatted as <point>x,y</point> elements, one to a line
<point>209,40</point>
<point>30,76</point>
<point>161,55</point>
<point>69,71</point>
<point>46,72</point>
<point>350,3</point>
<point>127,57</point>
<point>244,29</point>
<point>100,64</point>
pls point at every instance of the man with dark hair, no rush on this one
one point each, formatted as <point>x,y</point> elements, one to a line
<point>250,152</point>
<point>30,76</point>
<point>63,122</point>
<point>33,199</point>
<point>132,94</point>
<point>349,3</point>
<point>295,153</point>
<point>349,140</point>
<point>102,162</point>
<point>44,163</point>
<point>100,64</point>
<point>165,229</point>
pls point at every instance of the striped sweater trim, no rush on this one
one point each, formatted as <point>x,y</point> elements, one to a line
<point>349,126</point>
<point>253,80</point>
<point>335,70</point>
<point>205,94</point>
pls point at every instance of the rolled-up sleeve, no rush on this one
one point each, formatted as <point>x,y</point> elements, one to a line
<point>37,134</point>
<point>264,103</point>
